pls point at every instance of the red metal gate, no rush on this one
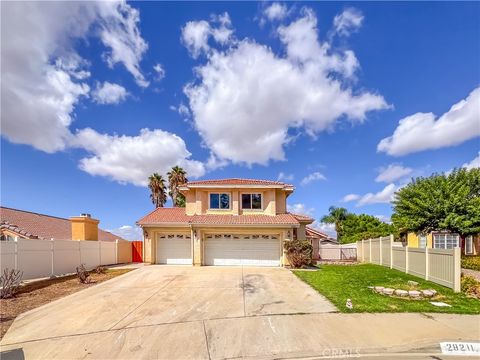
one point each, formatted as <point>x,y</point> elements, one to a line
<point>137,252</point>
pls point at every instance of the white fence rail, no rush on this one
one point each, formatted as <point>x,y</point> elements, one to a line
<point>45,258</point>
<point>338,252</point>
<point>442,266</point>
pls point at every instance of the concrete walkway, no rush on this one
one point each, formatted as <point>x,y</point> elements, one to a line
<point>216,313</point>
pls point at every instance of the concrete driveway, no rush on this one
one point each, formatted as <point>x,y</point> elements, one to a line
<point>171,312</point>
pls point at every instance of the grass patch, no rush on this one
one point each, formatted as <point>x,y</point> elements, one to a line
<point>471,262</point>
<point>339,283</point>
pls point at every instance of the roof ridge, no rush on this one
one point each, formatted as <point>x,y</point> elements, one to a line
<point>33,212</point>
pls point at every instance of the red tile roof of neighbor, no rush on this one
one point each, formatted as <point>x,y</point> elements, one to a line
<point>41,226</point>
<point>236,181</point>
<point>178,216</point>
<point>315,233</point>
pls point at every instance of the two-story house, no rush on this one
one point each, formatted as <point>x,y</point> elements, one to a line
<point>224,222</point>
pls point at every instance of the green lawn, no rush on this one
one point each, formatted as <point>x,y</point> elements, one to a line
<point>341,282</point>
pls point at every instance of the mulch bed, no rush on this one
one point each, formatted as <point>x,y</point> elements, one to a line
<point>35,294</point>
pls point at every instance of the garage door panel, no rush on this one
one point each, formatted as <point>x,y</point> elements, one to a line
<point>256,250</point>
<point>174,249</point>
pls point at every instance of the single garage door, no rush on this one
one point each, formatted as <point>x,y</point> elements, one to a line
<point>232,249</point>
<point>174,249</point>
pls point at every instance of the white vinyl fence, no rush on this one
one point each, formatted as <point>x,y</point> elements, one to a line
<point>332,252</point>
<point>441,266</point>
<point>45,258</point>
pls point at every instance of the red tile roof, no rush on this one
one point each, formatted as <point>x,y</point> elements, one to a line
<point>303,218</point>
<point>236,181</point>
<point>310,232</point>
<point>178,216</point>
<point>41,226</point>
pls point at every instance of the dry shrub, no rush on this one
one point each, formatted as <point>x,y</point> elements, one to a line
<point>9,282</point>
<point>82,274</point>
<point>299,253</point>
<point>100,269</point>
<point>470,286</point>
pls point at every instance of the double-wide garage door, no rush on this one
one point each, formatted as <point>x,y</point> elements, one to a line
<point>233,249</point>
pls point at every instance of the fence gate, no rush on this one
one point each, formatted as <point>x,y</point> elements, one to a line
<point>137,247</point>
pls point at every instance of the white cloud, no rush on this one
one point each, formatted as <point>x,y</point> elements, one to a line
<point>350,197</point>
<point>195,34</point>
<point>275,11</point>
<point>475,163</point>
<point>328,229</point>
<point>300,209</point>
<point>349,21</point>
<point>246,98</point>
<point>109,93</point>
<point>128,232</point>
<point>312,177</point>
<point>383,218</point>
<point>131,159</point>
<point>160,72</point>
<point>43,77</point>
<point>421,131</point>
<point>384,196</point>
<point>285,177</point>
<point>392,173</point>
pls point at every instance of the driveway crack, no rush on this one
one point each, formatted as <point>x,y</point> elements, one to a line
<point>243,291</point>
<point>206,339</point>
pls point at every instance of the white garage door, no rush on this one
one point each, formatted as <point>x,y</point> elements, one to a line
<point>174,249</point>
<point>254,250</point>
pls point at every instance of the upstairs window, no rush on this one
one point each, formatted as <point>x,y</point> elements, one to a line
<point>219,201</point>
<point>251,201</point>
<point>445,241</point>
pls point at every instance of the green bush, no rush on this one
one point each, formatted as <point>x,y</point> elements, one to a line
<point>471,262</point>
<point>299,253</point>
<point>470,286</point>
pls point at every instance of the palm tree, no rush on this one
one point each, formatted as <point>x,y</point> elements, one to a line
<point>176,177</point>
<point>158,194</point>
<point>335,216</point>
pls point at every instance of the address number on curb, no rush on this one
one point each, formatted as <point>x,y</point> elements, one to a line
<point>460,348</point>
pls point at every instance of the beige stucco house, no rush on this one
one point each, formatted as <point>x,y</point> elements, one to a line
<point>224,222</point>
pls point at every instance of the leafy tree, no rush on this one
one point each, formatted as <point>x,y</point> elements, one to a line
<point>176,177</point>
<point>363,226</point>
<point>335,216</point>
<point>158,190</point>
<point>440,202</point>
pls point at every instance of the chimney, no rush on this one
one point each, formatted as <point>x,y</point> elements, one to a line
<point>84,227</point>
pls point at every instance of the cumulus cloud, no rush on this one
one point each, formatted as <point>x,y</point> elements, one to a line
<point>131,159</point>
<point>384,196</point>
<point>328,229</point>
<point>284,177</point>
<point>196,34</point>
<point>392,173</point>
<point>300,209</point>
<point>109,93</point>
<point>350,197</point>
<point>128,232</point>
<point>475,163</point>
<point>160,71</point>
<point>349,21</point>
<point>44,77</point>
<point>315,176</point>
<point>422,131</point>
<point>246,98</point>
<point>275,11</point>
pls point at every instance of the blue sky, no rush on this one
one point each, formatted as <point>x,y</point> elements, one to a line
<point>347,101</point>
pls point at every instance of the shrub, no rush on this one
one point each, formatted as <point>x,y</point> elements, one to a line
<point>470,286</point>
<point>299,253</point>
<point>82,274</point>
<point>9,282</point>
<point>471,262</point>
<point>100,269</point>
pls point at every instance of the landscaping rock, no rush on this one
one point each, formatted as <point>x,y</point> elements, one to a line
<point>427,293</point>
<point>402,293</point>
<point>371,287</point>
<point>412,283</point>
<point>388,291</point>
<point>414,293</point>
<point>379,289</point>
<point>434,292</point>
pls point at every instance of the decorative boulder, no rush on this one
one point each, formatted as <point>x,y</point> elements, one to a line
<point>412,283</point>
<point>427,293</point>
<point>388,291</point>
<point>414,293</point>
<point>402,293</point>
<point>379,289</point>
<point>434,292</point>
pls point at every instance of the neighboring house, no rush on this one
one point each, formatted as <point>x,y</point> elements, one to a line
<point>22,224</point>
<point>317,238</point>
<point>224,222</point>
<point>470,244</point>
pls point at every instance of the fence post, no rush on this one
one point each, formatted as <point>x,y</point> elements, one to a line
<point>52,257</point>
<point>457,269</point>
<point>116,251</point>
<point>100,252</point>
<point>369,250</point>
<point>15,253</point>
<point>406,259</point>
<point>363,250</point>
<point>391,251</point>
<point>427,264</point>
<point>380,246</point>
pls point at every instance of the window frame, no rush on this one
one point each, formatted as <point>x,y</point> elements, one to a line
<point>422,240</point>
<point>251,201</point>
<point>220,193</point>
<point>469,239</point>
<point>444,240</point>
